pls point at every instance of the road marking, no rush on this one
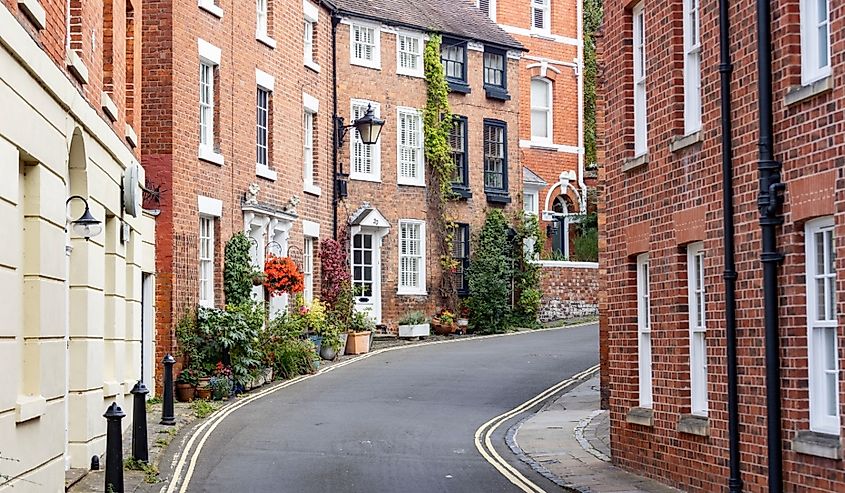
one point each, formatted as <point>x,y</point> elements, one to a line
<point>215,419</point>
<point>486,449</point>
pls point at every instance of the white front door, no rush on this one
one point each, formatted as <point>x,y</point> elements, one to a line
<point>366,278</point>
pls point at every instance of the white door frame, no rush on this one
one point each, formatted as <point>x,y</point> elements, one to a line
<point>378,234</point>
<point>147,335</point>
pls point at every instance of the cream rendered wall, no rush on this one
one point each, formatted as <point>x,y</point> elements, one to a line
<point>70,335</point>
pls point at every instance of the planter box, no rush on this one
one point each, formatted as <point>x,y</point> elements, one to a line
<point>419,330</point>
<point>358,342</point>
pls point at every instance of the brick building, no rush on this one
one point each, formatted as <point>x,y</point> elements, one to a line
<point>391,227</point>
<point>76,310</point>
<point>249,151</point>
<point>665,309</point>
<point>551,102</point>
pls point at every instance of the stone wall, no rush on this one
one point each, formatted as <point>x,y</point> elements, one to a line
<point>570,289</point>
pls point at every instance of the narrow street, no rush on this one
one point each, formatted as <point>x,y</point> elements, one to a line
<point>399,421</point>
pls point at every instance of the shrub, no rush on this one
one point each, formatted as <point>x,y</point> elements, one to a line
<point>237,270</point>
<point>286,351</point>
<point>489,276</point>
<point>361,322</point>
<point>231,336</point>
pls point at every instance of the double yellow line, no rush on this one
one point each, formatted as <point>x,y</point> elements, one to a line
<point>484,443</point>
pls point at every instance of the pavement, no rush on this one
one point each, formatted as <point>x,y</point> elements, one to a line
<point>568,442</point>
<point>396,421</point>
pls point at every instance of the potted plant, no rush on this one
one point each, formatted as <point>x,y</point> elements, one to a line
<point>203,386</point>
<point>186,385</point>
<point>331,345</point>
<point>443,322</point>
<point>282,276</point>
<point>358,339</point>
<point>414,324</point>
<point>220,386</point>
<point>258,278</point>
<point>463,319</point>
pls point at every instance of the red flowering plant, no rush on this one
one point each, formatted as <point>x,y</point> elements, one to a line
<point>282,275</point>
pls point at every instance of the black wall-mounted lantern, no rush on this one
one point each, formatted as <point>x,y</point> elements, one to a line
<point>368,126</point>
<point>86,226</point>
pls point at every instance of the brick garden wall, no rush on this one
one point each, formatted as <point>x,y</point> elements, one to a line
<point>570,289</point>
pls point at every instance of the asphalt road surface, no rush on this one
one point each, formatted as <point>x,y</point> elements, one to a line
<point>402,421</point>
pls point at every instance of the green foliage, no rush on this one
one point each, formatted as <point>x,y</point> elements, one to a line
<point>287,352</point>
<point>361,322</point>
<point>490,276</point>
<point>593,13</point>
<point>221,387</point>
<point>202,408</point>
<point>230,335</point>
<point>526,273</point>
<point>413,318</point>
<point>150,470</point>
<point>587,246</point>
<point>237,270</point>
<point>187,339</point>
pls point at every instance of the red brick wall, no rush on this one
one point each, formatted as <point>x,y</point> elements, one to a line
<point>407,202</point>
<point>96,36</point>
<point>570,289</point>
<point>653,199</point>
<point>171,135</point>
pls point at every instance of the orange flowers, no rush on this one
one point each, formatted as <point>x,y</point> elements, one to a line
<point>282,275</point>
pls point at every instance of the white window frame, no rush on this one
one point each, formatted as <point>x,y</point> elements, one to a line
<point>311,16</point>
<point>355,140</point>
<point>210,7</point>
<point>548,111</point>
<point>491,12</point>
<point>403,113</point>
<point>375,62</point>
<point>209,57</point>
<point>206,261</point>
<point>535,204</point>
<point>262,18</point>
<point>310,106</point>
<point>420,288</point>
<point>543,6</point>
<point>644,357</point>
<point>418,55</point>
<point>819,325</point>
<point>640,62</point>
<point>813,69</point>
<point>267,82</point>
<point>692,66</point>
<point>308,268</point>
<point>697,302</point>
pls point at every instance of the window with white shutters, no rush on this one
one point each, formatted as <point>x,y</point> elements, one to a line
<point>540,15</point>
<point>822,325</point>
<point>410,147</point>
<point>697,328</point>
<point>644,332</point>
<point>411,257</point>
<point>206,261</point>
<point>640,118</point>
<point>409,54</point>
<point>365,48</point>
<point>815,40</point>
<point>365,158</point>
<point>692,67</point>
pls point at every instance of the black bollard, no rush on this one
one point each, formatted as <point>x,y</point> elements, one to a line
<point>114,448</point>
<point>139,422</point>
<point>167,417</point>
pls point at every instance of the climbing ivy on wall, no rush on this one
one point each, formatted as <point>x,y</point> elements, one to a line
<point>437,124</point>
<point>237,270</point>
<point>593,13</point>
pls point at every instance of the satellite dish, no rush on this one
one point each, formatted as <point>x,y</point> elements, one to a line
<point>131,190</point>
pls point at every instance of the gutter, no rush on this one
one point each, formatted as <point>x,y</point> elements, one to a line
<point>730,275</point>
<point>769,199</point>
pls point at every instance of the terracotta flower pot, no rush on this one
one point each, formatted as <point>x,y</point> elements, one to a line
<point>204,393</point>
<point>184,392</point>
<point>358,342</point>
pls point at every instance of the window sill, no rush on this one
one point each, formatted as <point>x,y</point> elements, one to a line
<point>497,93</point>
<point>462,191</point>
<point>207,303</point>
<point>817,444</point>
<point>536,33</point>
<point>265,172</point>
<point>266,40</point>
<point>410,183</point>
<point>210,155</point>
<point>679,142</point>
<point>796,94</point>
<point>312,65</point>
<point>366,64</point>
<point>694,425</point>
<point>635,162</point>
<point>130,135</point>
<point>76,67</point>
<point>34,11</point>
<point>30,407</point>
<point>408,73</point>
<point>370,178</point>
<point>642,416</point>
<point>211,8</point>
<point>459,86</point>
<point>497,197</point>
<point>312,190</point>
<point>109,108</point>
<point>411,293</point>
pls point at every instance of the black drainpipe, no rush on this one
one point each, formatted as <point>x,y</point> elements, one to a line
<point>725,71</point>
<point>335,22</point>
<point>768,201</point>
